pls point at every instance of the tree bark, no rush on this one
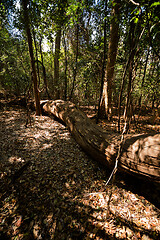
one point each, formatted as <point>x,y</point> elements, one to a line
<point>66,66</point>
<point>56,63</point>
<point>140,154</point>
<point>30,45</point>
<point>76,61</point>
<point>100,108</point>
<point>121,92</point>
<point>44,70</point>
<point>106,100</point>
<point>144,74</point>
<point>36,52</point>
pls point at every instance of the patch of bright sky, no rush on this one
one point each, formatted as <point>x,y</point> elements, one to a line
<point>12,29</point>
<point>18,4</point>
<point>46,45</point>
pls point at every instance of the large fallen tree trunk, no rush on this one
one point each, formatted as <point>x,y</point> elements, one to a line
<point>140,153</point>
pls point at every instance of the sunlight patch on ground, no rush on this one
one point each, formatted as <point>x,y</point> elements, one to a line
<point>124,205</point>
<point>15,159</point>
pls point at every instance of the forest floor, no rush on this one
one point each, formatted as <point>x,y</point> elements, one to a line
<point>50,189</point>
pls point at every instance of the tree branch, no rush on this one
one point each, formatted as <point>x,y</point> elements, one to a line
<point>137,4</point>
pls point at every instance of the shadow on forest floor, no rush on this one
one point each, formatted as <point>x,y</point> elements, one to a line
<point>62,194</point>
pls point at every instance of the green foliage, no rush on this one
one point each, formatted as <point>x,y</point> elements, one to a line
<point>14,74</point>
<point>155,4</point>
<point>46,17</point>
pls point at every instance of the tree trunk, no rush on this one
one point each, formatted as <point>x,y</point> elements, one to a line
<point>135,35</point>
<point>34,74</point>
<point>112,53</point>
<point>144,74</point>
<point>66,65</point>
<point>76,61</point>
<point>36,52</point>
<point>56,63</point>
<point>121,92</point>
<point>100,108</point>
<point>44,70</point>
<point>140,154</point>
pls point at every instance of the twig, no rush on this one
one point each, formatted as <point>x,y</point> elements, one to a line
<point>137,4</point>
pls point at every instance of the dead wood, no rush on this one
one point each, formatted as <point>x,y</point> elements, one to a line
<point>140,154</point>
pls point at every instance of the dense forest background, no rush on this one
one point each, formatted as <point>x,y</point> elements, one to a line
<point>104,56</point>
<point>102,53</point>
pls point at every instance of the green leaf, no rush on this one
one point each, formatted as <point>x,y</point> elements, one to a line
<point>135,19</point>
<point>155,4</point>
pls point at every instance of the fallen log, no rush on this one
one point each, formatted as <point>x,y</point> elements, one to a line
<point>140,154</point>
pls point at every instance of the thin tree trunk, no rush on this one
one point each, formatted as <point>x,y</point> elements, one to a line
<point>121,92</point>
<point>52,67</point>
<point>144,74</point>
<point>20,56</point>
<point>76,61</point>
<point>44,71</point>
<point>130,74</point>
<point>135,35</point>
<point>56,63</point>
<point>106,99</point>
<point>34,74</point>
<point>35,44</point>
<point>100,111</point>
<point>65,71</point>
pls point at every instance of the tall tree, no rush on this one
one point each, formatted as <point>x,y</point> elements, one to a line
<point>106,100</point>
<point>76,60</point>
<point>56,62</point>
<point>30,46</point>
<point>104,59</point>
<point>144,74</point>
<point>60,21</point>
<point>66,65</point>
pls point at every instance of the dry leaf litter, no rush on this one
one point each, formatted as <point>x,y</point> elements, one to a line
<point>62,193</point>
